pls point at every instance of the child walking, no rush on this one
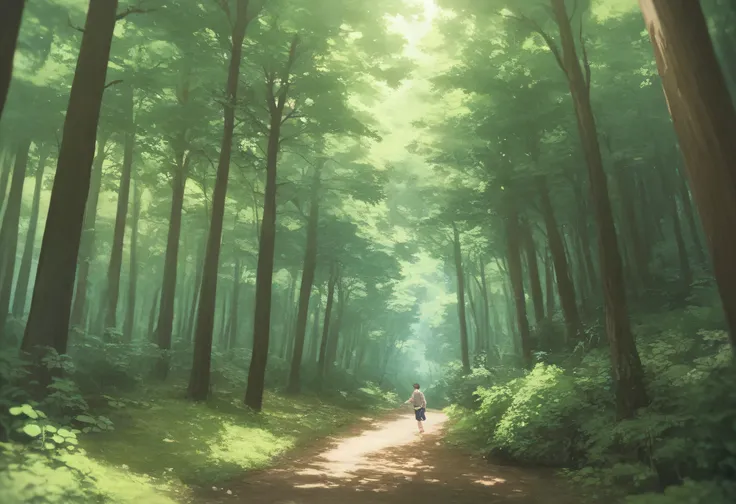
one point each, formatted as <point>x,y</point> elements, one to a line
<point>420,406</point>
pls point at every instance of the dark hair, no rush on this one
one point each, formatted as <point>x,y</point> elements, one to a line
<point>416,386</point>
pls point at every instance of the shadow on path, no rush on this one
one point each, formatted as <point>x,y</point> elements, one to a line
<point>391,463</point>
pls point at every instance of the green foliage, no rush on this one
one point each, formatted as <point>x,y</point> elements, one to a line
<point>566,418</point>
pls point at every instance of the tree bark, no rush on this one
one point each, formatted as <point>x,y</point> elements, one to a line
<point>121,216</point>
<point>326,326</point>
<point>687,209</point>
<point>305,289</point>
<point>87,245</point>
<point>549,285</point>
<point>464,352</point>
<point>565,287</point>
<point>26,263</point>
<point>9,231</point>
<point>533,270</point>
<point>627,370</point>
<point>513,239</point>
<point>234,304</point>
<point>267,243</point>
<point>199,380</point>
<point>10,23</point>
<point>129,323</point>
<point>705,122</point>
<point>48,320</point>
<point>165,325</point>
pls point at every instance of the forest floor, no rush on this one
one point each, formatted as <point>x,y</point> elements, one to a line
<point>385,461</point>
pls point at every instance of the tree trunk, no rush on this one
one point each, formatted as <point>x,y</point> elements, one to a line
<point>48,320</point>
<point>705,122</point>
<point>549,285</point>
<point>513,238</point>
<point>234,304</point>
<point>314,340</point>
<point>640,251</point>
<point>152,315</point>
<point>582,227</point>
<point>267,243</point>
<point>9,231</point>
<point>464,353</point>
<point>195,292</point>
<point>26,262</point>
<point>199,381</point>
<point>565,286</point>
<point>10,23</point>
<point>343,296</point>
<point>326,326</point>
<point>165,325</point>
<point>305,289</point>
<point>627,370</point>
<point>533,270</point>
<point>7,168</point>
<point>116,253</point>
<point>687,209</point>
<point>133,269</point>
<point>87,246</point>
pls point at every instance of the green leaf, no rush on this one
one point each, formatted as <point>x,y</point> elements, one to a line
<point>49,446</point>
<point>16,410</point>
<point>72,441</point>
<point>66,433</point>
<point>85,419</point>
<point>28,410</point>
<point>57,439</point>
<point>32,430</point>
<point>50,428</point>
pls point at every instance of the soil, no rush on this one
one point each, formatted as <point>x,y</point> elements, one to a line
<point>386,461</point>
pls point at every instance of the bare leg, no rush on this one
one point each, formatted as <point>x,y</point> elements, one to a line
<point>421,427</point>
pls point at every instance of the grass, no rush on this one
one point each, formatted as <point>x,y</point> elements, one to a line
<point>165,447</point>
<point>184,444</point>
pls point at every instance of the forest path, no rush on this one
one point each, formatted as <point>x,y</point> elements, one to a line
<point>386,461</point>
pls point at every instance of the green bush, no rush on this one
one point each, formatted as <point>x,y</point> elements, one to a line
<point>684,442</point>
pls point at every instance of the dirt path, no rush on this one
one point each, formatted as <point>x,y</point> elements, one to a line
<point>388,462</point>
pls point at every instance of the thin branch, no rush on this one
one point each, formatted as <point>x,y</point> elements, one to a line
<point>132,10</point>
<point>112,83</point>
<point>547,38</point>
<point>73,26</point>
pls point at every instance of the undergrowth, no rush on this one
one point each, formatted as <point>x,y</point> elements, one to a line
<point>106,430</point>
<point>680,449</point>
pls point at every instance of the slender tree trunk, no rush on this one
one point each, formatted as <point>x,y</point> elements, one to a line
<point>565,286</point>
<point>9,231</point>
<point>464,353</point>
<point>48,320</point>
<point>234,304</point>
<point>152,314</point>
<point>582,227</point>
<point>195,293</point>
<point>26,262</point>
<point>305,289</point>
<point>513,239</point>
<point>640,250</point>
<point>705,122</point>
<point>199,381</point>
<point>486,302</point>
<point>627,370</point>
<point>165,325</point>
<point>478,348</point>
<point>116,254</point>
<point>87,245</point>
<point>9,28</point>
<point>326,326</point>
<point>314,340</point>
<point>267,242</point>
<point>343,296</point>
<point>533,270</point>
<point>687,209</point>
<point>7,169</point>
<point>549,285</point>
<point>129,323</point>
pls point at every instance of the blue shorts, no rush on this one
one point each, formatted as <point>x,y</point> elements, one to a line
<point>419,414</point>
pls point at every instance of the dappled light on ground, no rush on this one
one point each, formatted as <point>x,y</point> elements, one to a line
<point>390,462</point>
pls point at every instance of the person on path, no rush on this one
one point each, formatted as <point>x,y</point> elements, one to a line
<point>420,406</point>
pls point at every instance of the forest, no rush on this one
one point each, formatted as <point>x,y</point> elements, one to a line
<point>233,234</point>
